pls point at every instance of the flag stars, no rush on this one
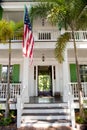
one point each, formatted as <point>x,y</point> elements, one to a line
<point>27,21</point>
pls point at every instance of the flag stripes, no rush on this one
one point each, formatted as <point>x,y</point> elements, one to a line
<point>28,40</point>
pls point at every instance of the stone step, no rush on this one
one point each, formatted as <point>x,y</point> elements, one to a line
<point>62,104</point>
<point>45,123</point>
<point>43,116</point>
<point>45,110</point>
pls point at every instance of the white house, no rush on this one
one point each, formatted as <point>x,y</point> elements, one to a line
<point>45,77</point>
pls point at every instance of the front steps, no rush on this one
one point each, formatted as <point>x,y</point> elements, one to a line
<point>45,115</point>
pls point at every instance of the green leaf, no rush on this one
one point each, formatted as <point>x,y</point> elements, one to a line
<point>60,46</point>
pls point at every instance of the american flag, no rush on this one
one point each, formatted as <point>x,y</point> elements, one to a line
<point>28,40</point>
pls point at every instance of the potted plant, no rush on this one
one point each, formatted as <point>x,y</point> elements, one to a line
<point>81,123</point>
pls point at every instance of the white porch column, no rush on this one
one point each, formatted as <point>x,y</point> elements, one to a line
<point>26,78</point>
<point>65,78</point>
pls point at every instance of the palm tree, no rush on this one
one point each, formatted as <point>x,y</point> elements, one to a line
<point>69,14</point>
<point>7,30</point>
<point>74,17</point>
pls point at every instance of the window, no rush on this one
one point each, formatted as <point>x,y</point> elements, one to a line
<point>4,73</point>
<point>83,73</point>
<point>44,36</point>
<point>34,72</point>
<point>54,72</point>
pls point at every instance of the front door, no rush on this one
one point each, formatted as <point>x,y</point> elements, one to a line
<point>44,80</point>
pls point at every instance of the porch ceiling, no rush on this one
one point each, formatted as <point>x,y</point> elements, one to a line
<point>18,53</point>
<point>48,53</point>
<point>14,54</point>
<point>13,15</point>
<point>82,53</point>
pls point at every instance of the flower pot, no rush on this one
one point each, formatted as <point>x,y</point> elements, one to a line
<point>81,126</point>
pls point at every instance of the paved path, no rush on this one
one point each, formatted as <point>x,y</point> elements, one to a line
<point>50,128</point>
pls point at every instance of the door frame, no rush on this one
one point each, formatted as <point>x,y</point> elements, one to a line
<point>48,70</point>
<point>36,80</point>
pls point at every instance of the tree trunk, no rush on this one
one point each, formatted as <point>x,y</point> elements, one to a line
<point>78,78</point>
<point>8,84</point>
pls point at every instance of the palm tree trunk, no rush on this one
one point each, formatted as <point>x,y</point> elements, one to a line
<point>78,78</point>
<point>8,86</point>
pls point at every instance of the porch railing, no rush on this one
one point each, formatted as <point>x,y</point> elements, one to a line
<point>52,35</point>
<point>15,89</point>
<point>79,35</point>
<point>73,89</point>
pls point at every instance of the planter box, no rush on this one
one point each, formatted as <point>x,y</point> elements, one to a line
<point>81,126</point>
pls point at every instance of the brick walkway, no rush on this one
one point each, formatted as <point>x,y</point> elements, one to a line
<point>50,128</point>
<point>31,128</point>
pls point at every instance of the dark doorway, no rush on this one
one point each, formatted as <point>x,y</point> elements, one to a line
<point>44,80</point>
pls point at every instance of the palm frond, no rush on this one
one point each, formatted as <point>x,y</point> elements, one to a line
<point>82,20</point>
<point>18,32</point>
<point>60,46</point>
<point>6,31</point>
<point>19,25</point>
<point>40,10</point>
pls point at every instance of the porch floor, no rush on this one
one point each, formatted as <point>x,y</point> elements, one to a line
<point>45,99</point>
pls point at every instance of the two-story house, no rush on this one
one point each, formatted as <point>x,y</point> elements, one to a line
<point>46,78</point>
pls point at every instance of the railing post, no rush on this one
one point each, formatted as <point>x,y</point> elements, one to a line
<point>72,112</point>
<point>18,111</point>
<point>65,77</point>
<point>65,94</point>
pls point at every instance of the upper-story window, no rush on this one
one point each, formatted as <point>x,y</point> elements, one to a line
<point>44,36</point>
<point>43,22</point>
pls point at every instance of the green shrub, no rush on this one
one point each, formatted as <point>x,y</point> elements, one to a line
<point>5,121</point>
<point>80,120</point>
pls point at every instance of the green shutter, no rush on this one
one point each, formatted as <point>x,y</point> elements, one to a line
<point>0,71</point>
<point>73,72</point>
<point>15,73</point>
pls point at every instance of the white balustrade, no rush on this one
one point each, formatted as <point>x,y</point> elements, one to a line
<point>3,90</point>
<point>52,35</point>
<point>15,89</point>
<point>46,35</point>
<point>73,88</point>
<point>79,35</point>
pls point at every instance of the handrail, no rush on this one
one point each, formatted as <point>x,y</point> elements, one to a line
<point>20,102</point>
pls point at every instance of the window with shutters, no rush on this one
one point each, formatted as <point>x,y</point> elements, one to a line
<point>4,73</point>
<point>83,73</point>
<point>14,73</point>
